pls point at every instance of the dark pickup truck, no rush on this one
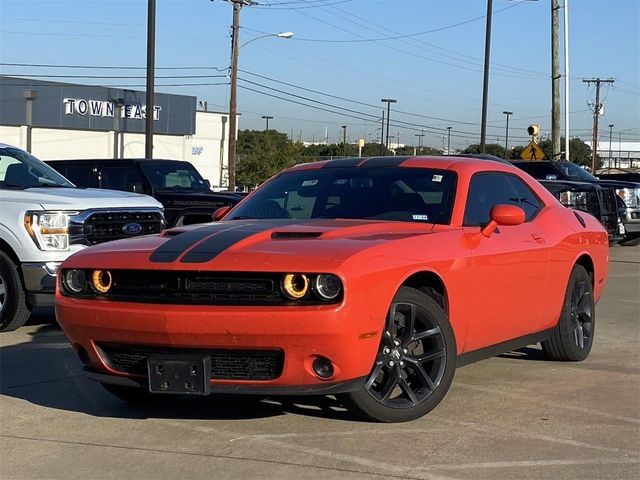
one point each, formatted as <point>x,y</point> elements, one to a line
<point>625,194</point>
<point>185,195</point>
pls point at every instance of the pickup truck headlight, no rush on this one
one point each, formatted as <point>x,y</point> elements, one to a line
<point>574,199</point>
<point>630,196</point>
<point>49,230</point>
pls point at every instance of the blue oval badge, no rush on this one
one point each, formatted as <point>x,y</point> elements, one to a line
<point>132,228</point>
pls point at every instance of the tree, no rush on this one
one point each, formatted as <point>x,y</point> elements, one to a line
<point>579,152</point>
<point>490,149</point>
<point>262,154</point>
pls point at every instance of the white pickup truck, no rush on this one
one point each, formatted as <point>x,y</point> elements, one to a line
<point>44,218</point>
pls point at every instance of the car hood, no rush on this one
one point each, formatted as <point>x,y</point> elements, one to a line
<point>194,199</point>
<point>61,198</point>
<point>252,245</point>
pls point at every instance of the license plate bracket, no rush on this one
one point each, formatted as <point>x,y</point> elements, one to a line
<point>180,374</point>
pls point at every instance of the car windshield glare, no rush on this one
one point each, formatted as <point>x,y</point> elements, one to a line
<point>19,169</point>
<point>575,172</point>
<point>168,175</point>
<point>379,193</point>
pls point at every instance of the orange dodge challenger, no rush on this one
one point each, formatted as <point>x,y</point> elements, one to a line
<point>371,279</point>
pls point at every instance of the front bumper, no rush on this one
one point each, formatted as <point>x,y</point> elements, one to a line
<point>631,219</point>
<point>348,339</point>
<point>40,282</point>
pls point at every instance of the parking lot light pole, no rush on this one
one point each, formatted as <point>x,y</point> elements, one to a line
<point>388,101</point>
<point>449,140</point>
<point>151,53</point>
<point>233,94</point>
<point>611,125</point>
<point>506,136</point>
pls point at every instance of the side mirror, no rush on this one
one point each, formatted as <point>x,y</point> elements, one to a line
<point>220,213</point>
<point>551,176</point>
<point>503,215</point>
<point>207,183</point>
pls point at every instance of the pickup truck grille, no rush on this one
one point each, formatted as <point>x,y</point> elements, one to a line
<point>103,227</point>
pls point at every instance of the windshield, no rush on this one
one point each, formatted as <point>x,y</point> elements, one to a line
<point>168,175</point>
<point>381,193</point>
<point>575,172</point>
<point>19,169</point>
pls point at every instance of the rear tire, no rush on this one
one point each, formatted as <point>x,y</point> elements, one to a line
<point>572,337</point>
<point>14,310</point>
<point>415,364</point>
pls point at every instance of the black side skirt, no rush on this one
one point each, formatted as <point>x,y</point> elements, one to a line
<point>500,348</point>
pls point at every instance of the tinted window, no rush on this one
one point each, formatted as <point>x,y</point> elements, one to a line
<point>490,189</point>
<point>121,178</point>
<point>171,175</point>
<point>21,169</point>
<point>403,194</point>
<point>81,175</point>
<point>540,170</point>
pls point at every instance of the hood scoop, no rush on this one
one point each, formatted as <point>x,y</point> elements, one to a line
<point>294,235</point>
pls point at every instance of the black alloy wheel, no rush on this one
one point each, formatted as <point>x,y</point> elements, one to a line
<point>415,363</point>
<point>572,338</point>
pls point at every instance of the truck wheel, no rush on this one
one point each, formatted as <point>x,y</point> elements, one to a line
<point>14,311</point>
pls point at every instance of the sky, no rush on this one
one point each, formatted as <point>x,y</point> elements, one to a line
<point>344,57</point>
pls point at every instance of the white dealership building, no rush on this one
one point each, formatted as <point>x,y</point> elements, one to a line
<point>68,121</point>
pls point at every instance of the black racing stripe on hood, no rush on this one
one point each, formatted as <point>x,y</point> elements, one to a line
<point>385,161</point>
<point>171,250</point>
<point>218,243</point>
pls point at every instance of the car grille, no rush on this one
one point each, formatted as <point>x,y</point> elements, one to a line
<point>203,288</point>
<point>103,227</point>
<point>227,364</point>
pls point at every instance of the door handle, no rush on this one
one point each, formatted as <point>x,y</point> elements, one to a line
<point>538,238</point>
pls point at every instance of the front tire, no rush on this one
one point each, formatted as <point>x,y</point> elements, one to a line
<point>14,310</point>
<point>415,364</point>
<point>572,338</point>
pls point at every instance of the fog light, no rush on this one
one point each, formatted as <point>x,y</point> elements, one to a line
<point>323,368</point>
<point>101,281</point>
<point>74,280</point>
<point>295,286</point>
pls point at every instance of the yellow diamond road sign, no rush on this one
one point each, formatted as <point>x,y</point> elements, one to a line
<point>532,152</point>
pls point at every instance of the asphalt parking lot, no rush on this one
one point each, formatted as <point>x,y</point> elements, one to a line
<point>514,416</point>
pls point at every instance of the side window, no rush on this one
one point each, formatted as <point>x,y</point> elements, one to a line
<point>525,197</point>
<point>541,170</point>
<point>121,178</point>
<point>80,175</point>
<point>490,189</point>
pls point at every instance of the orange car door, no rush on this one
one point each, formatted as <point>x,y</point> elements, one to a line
<point>508,272</point>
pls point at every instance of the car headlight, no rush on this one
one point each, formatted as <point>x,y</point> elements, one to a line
<point>49,230</point>
<point>74,281</point>
<point>304,287</point>
<point>573,199</point>
<point>630,196</point>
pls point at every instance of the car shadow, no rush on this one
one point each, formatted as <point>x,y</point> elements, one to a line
<point>525,353</point>
<point>45,371</point>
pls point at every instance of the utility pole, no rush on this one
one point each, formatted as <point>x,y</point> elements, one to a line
<point>388,101</point>
<point>344,140</point>
<point>506,136</point>
<point>596,114</point>
<point>267,118</point>
<point>151,66</point>
<point>555,80</point>
<point>449,140</point>
<point>485,85</point>
<point>420,140</point>
<point>611,125</point>
<point>567,81</point>
<point>382,150</point>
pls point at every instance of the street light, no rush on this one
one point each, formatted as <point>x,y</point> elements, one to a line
<point>233,102</point>
<point>506,137</point>
<point>449,140</point>
<point>267,118</point>
<point>388,101</point>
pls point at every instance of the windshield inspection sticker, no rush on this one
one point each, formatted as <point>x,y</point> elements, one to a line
<point>310,183</point>
<point>420,217</point>
<point>437,178</point>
